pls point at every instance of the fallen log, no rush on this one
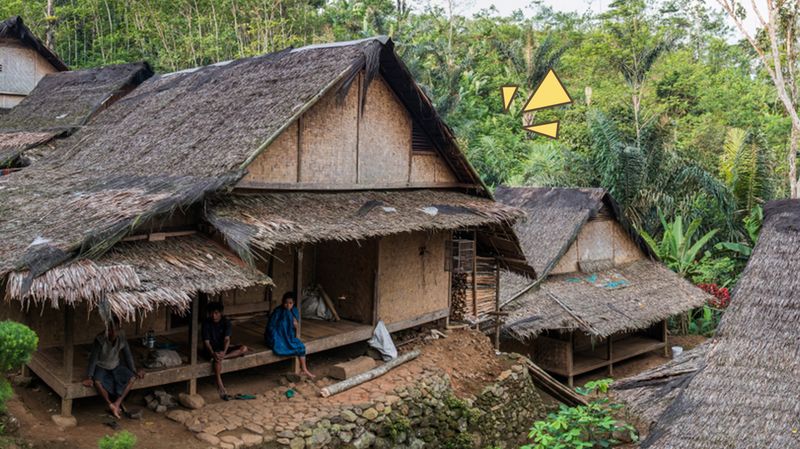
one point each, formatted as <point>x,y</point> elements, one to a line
<point>369,375</point>
<point>553,387</point>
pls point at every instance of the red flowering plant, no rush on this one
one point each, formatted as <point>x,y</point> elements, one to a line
<point>721,295</point>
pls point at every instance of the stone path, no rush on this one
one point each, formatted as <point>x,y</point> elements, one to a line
<point>273,416</point>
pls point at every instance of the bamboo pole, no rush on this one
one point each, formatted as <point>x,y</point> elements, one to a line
<point>369,375</point>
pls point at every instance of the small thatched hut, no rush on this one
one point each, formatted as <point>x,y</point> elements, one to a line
<point>61,103</point>
<point>24,60</point>
<point>599,298</point>
<point>744,395</point>
<point>324,166</point>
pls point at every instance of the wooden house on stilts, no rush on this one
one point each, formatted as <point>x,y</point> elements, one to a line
<point>599,298</point>
<point>319,166</point>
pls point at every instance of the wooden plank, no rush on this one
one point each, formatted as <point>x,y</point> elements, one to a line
<point>497,318</point>
<point>417,321</point>
<point>246,185</point>
<point>474,274</point>
<point>553,387</point>
<point>48,373</point>
<point>298,267</point>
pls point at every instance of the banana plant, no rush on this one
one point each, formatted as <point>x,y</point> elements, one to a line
<point>678,247</point>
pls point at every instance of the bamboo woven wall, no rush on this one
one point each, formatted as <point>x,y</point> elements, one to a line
<point>430,167</point>
<point>347,269</point>
<point>22,68</point>
<point>384,137</point>
<point>411,284</point>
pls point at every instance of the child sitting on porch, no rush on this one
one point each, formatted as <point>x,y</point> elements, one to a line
<point>111,377</point>
<point>281,332</point>
<point>217,330</point>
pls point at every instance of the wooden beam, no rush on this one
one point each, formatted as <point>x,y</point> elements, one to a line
<point>376,287</point>
<point>664,338</point>
<point>153,236</point>
<point>570,361</point>
<point>193,338</point>
<point>498,320</point>
<point>609,343</point>
<point>298,264</point>
<point>69,355</point>
<point>246,185</point>
<point>474,273</point>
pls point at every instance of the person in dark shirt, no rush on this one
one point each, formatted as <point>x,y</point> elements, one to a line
<point>111,367</point>
<point>217,330</point>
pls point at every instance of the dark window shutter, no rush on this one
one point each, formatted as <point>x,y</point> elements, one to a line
<point>420,140</point>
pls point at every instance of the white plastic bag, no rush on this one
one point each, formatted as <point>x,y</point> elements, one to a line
<point>382,341</point>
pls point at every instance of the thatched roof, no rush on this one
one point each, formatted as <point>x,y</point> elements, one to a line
<point>649,393</point>
<point>62,102</point>
<point>13,28</point>
<point>553,219</point>
<point>746,394</point>
<point>178,137</point>
<point>139,276</point>
<point>267,220</point>
<point>600,304</point>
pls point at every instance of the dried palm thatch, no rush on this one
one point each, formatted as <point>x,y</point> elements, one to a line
<point>62,102</point>
<point>267,220</point>
<point>553,219</point>
<point>139,276</point>
<point>171,141</point>
<point>600,304</point>
<point>14,28</point>
<point>649,393</point>
<point>745,396</point>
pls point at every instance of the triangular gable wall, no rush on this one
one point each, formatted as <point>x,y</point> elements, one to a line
<point>331,145</point>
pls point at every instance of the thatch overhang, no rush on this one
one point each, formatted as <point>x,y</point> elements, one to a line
<point>158,149</point>
<point>138,276</point>
<point>745,394</point>
<point>649,393</point>
<point>14,28</point>
<point>265,221</point>
<point>599,304</point>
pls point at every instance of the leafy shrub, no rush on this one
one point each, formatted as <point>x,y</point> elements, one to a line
<point>17,343</point>
<point>121,440</point>
<point>583,427</point>
<point>5,394</point>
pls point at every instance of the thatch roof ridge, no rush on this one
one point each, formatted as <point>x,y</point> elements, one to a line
<point>624,298</point>
<point>14,28</point>
<point>744,396</point>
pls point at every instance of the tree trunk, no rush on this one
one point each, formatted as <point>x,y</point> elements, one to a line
<point>50,36</point>
<point>793,141</point>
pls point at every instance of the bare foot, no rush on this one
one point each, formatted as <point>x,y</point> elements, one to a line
<point>308,373</point>
<point>114,411</point>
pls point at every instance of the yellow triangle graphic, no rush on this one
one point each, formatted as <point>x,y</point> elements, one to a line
<point>508,95</point>
<point>549,93</point>
<point>549,129</point>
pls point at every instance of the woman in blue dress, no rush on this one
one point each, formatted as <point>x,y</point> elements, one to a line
<point>281,332</point>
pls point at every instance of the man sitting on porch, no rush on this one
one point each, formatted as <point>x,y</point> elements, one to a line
<point>111,377</point>
<point>217,330</point>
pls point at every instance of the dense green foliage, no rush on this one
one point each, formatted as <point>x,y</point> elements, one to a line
<point>582,427</point>
<point>669,114</point>
<point>17,343</point>
<point>120,440</point>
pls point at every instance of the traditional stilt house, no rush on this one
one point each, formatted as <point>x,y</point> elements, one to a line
<point>742,394</point>
<point>320,166</point>
<point>24,60</point>
<point>599,298</point>
<point>61,103</point>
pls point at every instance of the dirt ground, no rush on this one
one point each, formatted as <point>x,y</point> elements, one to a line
<point>467,356</point>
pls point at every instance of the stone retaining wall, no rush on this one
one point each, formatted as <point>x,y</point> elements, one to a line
<point>429,415</point>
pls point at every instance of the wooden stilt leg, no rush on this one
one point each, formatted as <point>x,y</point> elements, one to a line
<point>609,356</point>
<point>66,407</point>
<point>664,334</point>
<point>69,343</point>
<point>298,264</point>
<point>193,338</point>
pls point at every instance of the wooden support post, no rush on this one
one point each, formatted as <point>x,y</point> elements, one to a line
<point>475,273</point>
<point>570,354</point>
<point>26,372</point>
<point>298,288</point>
<point>193,339</point>
<point>498,320</point>
<point>664,338</point>
<point>69,355</point>
<point>609,342</point>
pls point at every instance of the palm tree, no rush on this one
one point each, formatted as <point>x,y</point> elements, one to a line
<point>744,169</point>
